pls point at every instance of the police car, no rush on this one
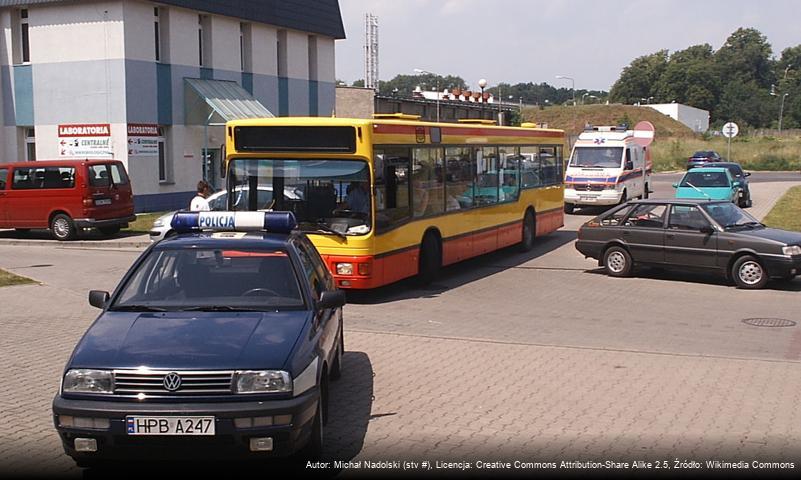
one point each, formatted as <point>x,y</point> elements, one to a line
<point>218,342</point>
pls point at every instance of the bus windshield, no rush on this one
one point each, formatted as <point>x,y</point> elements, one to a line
<point>327,196</point>
<point>597,157</point>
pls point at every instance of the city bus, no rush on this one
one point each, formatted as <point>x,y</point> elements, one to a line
<point>388,198</point>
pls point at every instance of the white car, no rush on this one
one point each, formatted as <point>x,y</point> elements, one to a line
<point>162,227</point>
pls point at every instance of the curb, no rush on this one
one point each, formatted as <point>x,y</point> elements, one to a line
<point>79,243</point>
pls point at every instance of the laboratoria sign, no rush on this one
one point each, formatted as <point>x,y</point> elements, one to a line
<point>85,130</point>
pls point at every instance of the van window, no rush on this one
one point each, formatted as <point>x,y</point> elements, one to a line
<point>118,175</point>
<point>98,175</point>
<point>3,175</point>
<point>41,177</point>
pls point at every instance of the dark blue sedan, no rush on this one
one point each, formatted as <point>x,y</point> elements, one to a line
<point>214,345</point>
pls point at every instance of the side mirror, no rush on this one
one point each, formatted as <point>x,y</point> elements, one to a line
<point>332,299</point>
<point>707,229</point>
<point>747,174</point>
<point>675,185</point>
<point>736,184</point>
<point>98,298</point>
<point>629,165</point>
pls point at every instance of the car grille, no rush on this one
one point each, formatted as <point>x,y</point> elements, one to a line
<point>588,187</point>
<point>132,382</point>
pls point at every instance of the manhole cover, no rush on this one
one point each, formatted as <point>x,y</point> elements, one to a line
<point>769,322</point>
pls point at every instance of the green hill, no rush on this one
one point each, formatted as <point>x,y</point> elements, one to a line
<point>572,119</point>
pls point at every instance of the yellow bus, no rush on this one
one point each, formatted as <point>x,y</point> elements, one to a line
<point>388,198</point>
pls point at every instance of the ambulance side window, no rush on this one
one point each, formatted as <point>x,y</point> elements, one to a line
<point>629,165</point>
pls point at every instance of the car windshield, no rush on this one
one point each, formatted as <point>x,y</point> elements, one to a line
<point>598,157</point>
<point>214,279</point>
<point>704,179</point>
<point>703,154</point>
<point>729,215</point>
<point>326,196</point>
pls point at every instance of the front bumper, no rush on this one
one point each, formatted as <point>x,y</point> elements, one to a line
<point>106,222</point>
<point>229,442</point>
<point>783,267</point>
<point>603,197</point>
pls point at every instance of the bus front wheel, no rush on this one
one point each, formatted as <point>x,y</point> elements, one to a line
<point>430,259</point>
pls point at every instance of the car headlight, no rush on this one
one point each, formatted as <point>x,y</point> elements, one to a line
<point>85,380</point>
<point>262,381</point>
<point>158,223</point>
<point>792,250</point>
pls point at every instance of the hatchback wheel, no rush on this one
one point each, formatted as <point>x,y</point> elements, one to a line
<point>749,273</point>
<point>62,227</point>
<point>617,262</point>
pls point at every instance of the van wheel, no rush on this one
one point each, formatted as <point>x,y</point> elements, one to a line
<point>617,262</point>
<point>112,230</point>
<point>569,207</point>
<point>430,259</point>
<point>647,191</point>
<point>624,198</point>
<point>62,227</point>
<point>748,273</point>
<point>529,232</point>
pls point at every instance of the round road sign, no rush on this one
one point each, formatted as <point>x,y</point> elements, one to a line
<point>644,133</point>
<point>730,130</point>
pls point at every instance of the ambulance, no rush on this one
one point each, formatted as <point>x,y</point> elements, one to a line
<point>609,165</point>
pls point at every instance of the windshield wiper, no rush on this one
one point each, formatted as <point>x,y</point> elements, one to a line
<point>699,190</point>
<point>325,229</point>
<point>137,308</point>
<point>219,308</point>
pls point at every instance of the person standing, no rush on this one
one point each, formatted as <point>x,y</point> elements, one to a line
<point>199,203</point>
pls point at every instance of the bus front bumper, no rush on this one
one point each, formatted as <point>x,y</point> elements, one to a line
<point>352,272</point>
<point>603,197</point>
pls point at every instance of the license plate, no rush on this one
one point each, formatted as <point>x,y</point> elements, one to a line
<point>169,425</point>
<point>587,198</point>
<point>103,201</point>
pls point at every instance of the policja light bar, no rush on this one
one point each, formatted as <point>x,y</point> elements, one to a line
<point>277,222</point>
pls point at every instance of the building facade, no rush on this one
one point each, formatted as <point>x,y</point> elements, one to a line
<point>695,118</point>
<point>151,83</point>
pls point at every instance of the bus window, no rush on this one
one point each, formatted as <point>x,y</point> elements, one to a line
<point>428,189</point>
<point>550,167</point>
<point>508,173</point>
<point>391,187</point>
<point>486,175</point>
<point>530,168</point>
<point>458,179</point>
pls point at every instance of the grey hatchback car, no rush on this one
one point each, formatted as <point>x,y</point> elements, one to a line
<point>691,234</point>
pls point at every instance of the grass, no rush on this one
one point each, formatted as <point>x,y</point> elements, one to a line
<point>143,222</point>
<point>786,214</point>
<point>753,153</point>
<point>8,278</point>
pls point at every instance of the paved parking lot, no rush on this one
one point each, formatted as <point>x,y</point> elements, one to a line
<point>514,356</point>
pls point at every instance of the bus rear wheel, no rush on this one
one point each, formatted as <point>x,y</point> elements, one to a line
<point>529,232</point>
<point>430,259</point>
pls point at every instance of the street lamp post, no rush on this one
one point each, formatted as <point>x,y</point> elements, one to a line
<point>781,112</point>
<point>481,84</point>
<point>436,76</point>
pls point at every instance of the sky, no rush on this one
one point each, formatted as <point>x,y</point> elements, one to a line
<point>518,41</point>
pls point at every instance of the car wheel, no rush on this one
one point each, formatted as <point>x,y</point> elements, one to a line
<point>112,230</point>
<point>569,207</point>
<point>314,449</point>
<point>617,262</point>
<point>62,227</point>
<point>749,273</point>
<point>336,369</point>
<point>529,232</point>
<point>430,259</point>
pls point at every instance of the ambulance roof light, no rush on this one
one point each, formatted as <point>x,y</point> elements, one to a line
<point>274,222</point>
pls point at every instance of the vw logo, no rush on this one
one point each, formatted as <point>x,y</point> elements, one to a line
<point>172,381</point>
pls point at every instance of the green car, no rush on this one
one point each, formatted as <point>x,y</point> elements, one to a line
<point>710,183</point>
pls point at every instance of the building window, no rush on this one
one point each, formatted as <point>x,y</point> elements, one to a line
<point>204,40</point>
<point>156,33</point>
<point>162,162</point>
<point>30,144</point>
<point>26,49</point>
<point>281,53</point>
<point>245,47</point>
<point>312,57</point>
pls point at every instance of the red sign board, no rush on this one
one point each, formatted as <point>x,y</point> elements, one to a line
<point>143,130</point>
<point>85,130</point>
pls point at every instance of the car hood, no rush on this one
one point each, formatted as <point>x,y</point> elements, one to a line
<point>190,340</point>
<point>715,193</point>
<point>775,234</point>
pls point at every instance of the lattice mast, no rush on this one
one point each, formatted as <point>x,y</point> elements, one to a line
<point>371,51</point>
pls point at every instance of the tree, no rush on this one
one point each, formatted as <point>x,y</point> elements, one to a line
<point>745,103</point>
<point>640,79</point>
<point>690,77</point>
<point>746,56</point>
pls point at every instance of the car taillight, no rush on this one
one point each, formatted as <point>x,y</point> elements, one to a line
<point>87,202</point>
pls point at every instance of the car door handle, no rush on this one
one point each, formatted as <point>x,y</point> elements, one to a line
<point>670,235</point>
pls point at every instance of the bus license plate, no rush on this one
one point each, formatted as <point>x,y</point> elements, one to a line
<point>169,425</point>
<point>103,201</point>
